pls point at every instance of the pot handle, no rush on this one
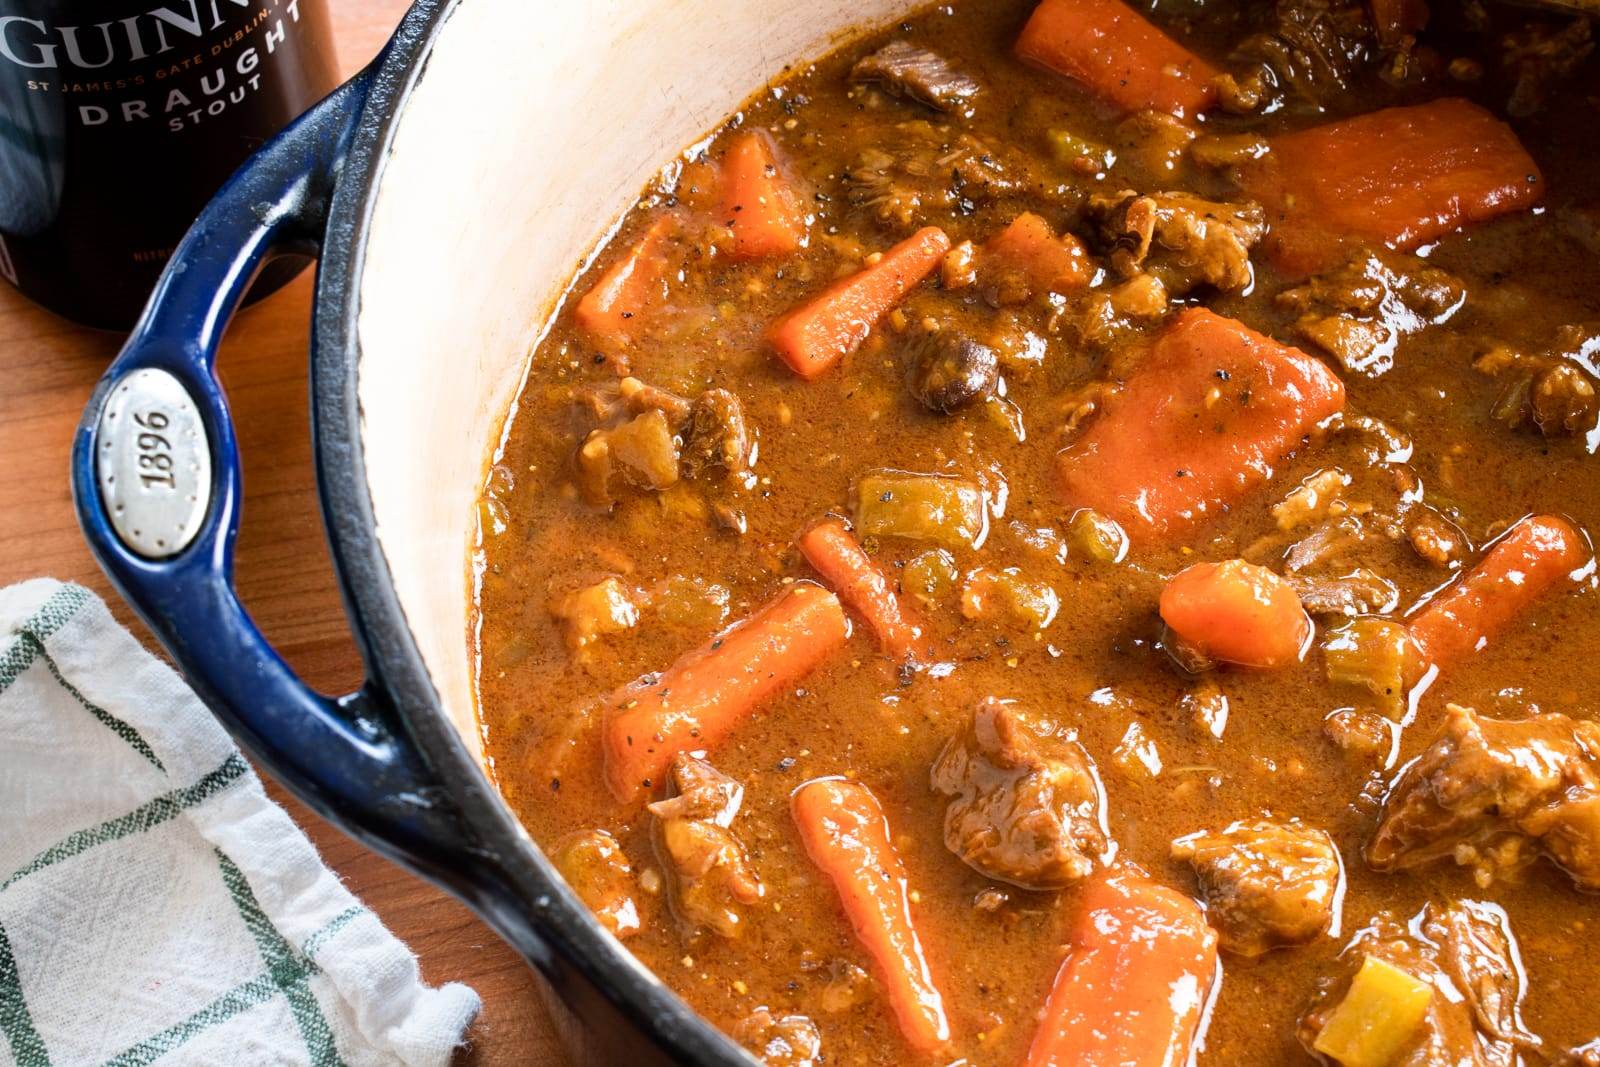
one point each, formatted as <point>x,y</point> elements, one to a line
<point>156,478</point>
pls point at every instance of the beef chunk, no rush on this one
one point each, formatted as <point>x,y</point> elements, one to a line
<point>1179,238</point>
<point>1026,803</point>
<point>780,1040</point>
<point>902,69</point>
<point>1360,592</point>
<point>1492,794</point>
<point>918,170</point>
<point>649,438</point>
<point>712,878</point>
<point>1550,392</point>
<point>1265,884</point>
<point>1359,311</point>
<point>716,435</point>
<point>1466,952</point>
<point>1435,538</point>
<point>1540,56</point>
<point>599,873</point>
<point>1307,50</point>
<point>946,369</point>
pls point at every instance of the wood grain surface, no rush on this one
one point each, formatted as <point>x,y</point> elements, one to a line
<point>47,369</point>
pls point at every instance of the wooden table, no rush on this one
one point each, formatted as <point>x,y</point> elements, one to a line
<point>47,369</point>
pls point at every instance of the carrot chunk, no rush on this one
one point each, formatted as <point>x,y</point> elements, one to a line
<point>1117,55</point>
<point>836,554</point>
<point>701,698</point>
<point>847,836</point>
<point>833,323</point>
<point>1031,249</point>
<point>1196,427</point>
<point>1534,556</point>
<point>1400,177</point>
<point>1133,988</point>
<point>757,203</point>
<point>612,308</point>
<point>1238,613</point>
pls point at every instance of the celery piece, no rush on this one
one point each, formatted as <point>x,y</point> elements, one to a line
<point>946,510</point>
<point>930,576</point>
<point>1092,535</point>
<point>1380,1012</point>
<point>1370,652</point>
<point>1078,152</point>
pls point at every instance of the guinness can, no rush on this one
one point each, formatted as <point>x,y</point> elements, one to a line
<point>120,118</point>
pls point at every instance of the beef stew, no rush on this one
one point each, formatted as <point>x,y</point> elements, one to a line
<point>1060,534</point>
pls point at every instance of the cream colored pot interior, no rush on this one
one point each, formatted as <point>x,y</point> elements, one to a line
<point>535,125</point>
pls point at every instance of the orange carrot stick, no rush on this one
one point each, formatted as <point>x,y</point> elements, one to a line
<point>1133,988</point>
<point>1198,425</point>
<point>1534,556</point>
<point>847,836</point>
<point>1238,613</point>
<point>1117,55</point>
<point>833,550</point>
<point>757,204</point>
<point>1401,177</point>
<point>613,306</point>
<point>1030,247</point>
<point>833,323</point>
<point>701,698</point>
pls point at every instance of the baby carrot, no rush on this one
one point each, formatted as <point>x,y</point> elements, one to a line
<point>613,306</point>
<point>1200,423</point>
<point>847,837</point>
<point>833,323</point>
<point>1134,985</point>
<point>757,204</point>
<point>1534,556</point>
<point>835,553</point>
<point>701,698</point>
<point>1117,55</point>
<point>1238,613</point>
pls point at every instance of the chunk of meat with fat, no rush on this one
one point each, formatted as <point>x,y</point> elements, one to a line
<point>1265,884</point>
<point>649,438</point>
<point>1493,794</point>
<point>1466,953</point>
<point>1027,806</point>
<point>716,435</point>
<point>903,69</point>
<point>1310,50</point>
<point>712,877</point>
<point>1539,57</point>
<point>1182,239</point>
<point>780,1040</point>
<point>1550,392</point>
<point>1360,311</point>
<point>917,170</point>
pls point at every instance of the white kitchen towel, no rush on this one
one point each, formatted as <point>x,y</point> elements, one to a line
<point>155,906</point>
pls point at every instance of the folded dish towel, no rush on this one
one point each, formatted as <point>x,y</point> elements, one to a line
<point>155,906</point>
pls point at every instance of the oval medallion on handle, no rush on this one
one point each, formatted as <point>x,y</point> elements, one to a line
<point>153,463</point>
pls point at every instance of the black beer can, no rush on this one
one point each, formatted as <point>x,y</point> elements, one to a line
<point>120,118</point>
